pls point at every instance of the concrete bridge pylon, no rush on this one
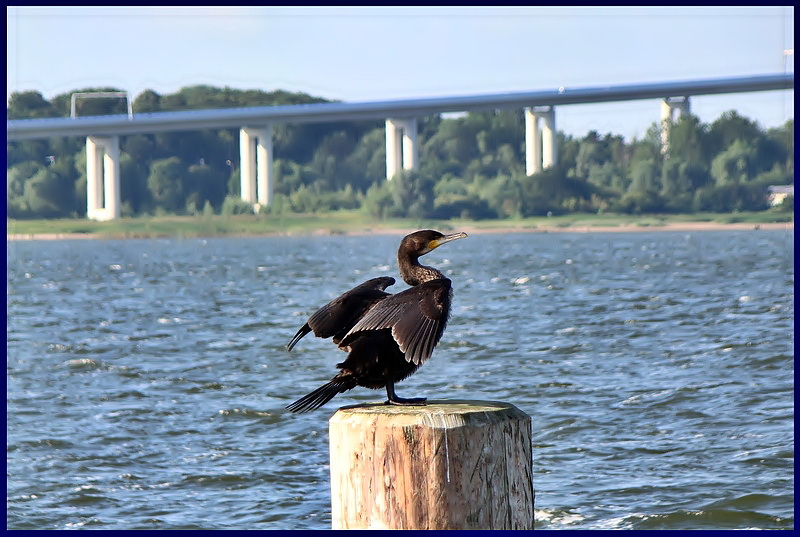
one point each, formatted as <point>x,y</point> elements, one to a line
<point>668,107</point>
<point>541,145</point>
<point>255,165</point>
<point>402,150</point>
<point>102,161</point>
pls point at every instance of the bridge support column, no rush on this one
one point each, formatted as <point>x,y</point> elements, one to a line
<point>401,146</point>
<point>668,106</point>
<point>102,159</point>
<point>94,171</point>
<point>533,143</point>
<point>246,166</point>
<point>541,147</point>
<point>394,155</point>
<point>264,160</point>
<point>410,152</point>
<point>549,140</point>
<point>255,165</point>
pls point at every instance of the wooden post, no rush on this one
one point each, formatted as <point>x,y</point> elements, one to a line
<point>444,465</point>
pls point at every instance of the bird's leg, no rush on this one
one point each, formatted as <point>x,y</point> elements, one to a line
<point>394,400</point>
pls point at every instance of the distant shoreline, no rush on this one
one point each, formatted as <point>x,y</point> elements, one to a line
<point>471,229</point>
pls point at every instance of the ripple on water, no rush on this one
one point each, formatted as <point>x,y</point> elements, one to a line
<point>147,380</point>
<point>706,519</point>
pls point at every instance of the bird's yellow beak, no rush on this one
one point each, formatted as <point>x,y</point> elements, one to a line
<point>435,243</point>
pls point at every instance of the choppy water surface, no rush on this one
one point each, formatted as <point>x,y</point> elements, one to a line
<point>147,379</point>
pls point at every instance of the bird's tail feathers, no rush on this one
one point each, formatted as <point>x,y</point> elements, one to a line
<point>322,395</point>
<point>305,329</point>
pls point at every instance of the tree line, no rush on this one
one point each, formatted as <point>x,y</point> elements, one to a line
<point>471,166</point>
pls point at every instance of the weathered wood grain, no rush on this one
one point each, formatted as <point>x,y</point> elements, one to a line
<point>445,465</point>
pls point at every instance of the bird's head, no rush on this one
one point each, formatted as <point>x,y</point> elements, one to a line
<point>421,242</point>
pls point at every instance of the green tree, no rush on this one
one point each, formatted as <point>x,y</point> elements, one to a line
<point>688,140</point>
<point>133,184</point>
<point>366,163</point>
<point>378,200</point>
<point>146,102</point>
<point>606,175</point>
<point>591,152</point>
<point>165,183</point>
<point>345,198</point>
<point>552,190</point>
<point>568,149</point>
<point>635,202</point>
<point>679,181</point>
<point>235,205</point>
<point>330,158</point>
<point>674,184</point>
<point>16,177</point>
<point>455,142</point>
<point>306,199</point>
<point>29,105</point>
<point>734,165</point>
<point>140,147</point>
<point>27,150</point>
<point>784,136</point>
<point>204,183</point>
<point>731,197</point>
<point>412,194</point>
<point>504,196</point>
<point>208,210</point>
<point>645,149</point>
<point>644,176</point>
<point>730,127</point>
<point>455,199</point>
<point>48,194</point>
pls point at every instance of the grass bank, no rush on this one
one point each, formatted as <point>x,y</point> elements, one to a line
<point>344,222</point>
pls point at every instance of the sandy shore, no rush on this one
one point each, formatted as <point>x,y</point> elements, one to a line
<point>633,228</point>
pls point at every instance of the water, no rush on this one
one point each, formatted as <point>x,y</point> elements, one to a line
<point>147,378</point>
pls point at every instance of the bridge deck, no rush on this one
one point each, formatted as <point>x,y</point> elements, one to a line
<point>185,120</point>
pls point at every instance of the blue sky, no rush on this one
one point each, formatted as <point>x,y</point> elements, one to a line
<point>367,53</point>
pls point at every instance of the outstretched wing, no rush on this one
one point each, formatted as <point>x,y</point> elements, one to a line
<point>417,318</point>
<point>339,315</point>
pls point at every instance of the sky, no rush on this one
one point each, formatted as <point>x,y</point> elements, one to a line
<point>357,54</point>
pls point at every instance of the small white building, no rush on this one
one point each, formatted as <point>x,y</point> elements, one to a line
<point>776,194</point>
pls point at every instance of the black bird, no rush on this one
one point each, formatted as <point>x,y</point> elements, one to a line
<point>387,336</point>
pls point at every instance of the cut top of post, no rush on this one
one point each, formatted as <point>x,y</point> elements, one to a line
<point>436,414</point>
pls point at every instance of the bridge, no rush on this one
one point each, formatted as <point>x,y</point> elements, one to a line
<point>255,124</point>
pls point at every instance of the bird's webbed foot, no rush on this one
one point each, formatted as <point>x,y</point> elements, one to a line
<point>395,400</point>
<point>407,401</point>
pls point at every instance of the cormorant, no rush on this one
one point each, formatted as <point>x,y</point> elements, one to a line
<point>388,336</point>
